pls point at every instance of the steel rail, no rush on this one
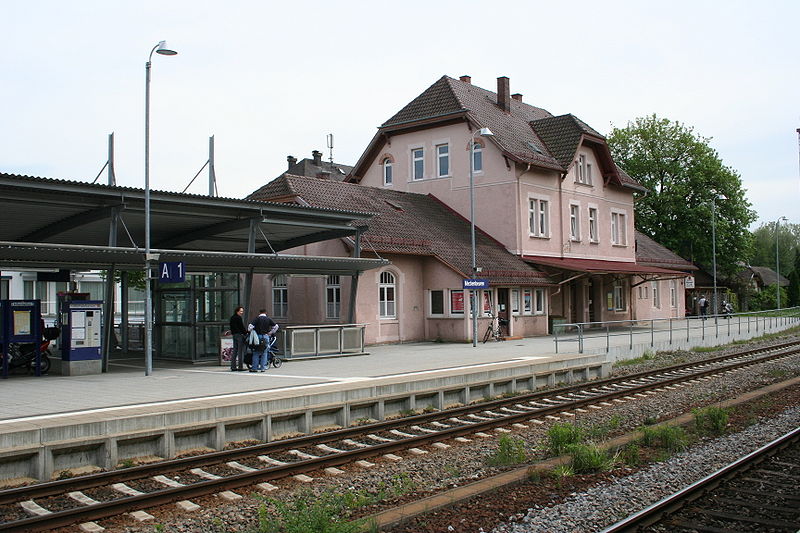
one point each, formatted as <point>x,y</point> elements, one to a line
<point>669,505</point>
<point>50,488</point>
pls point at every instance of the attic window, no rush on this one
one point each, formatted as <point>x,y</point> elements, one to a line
<point>394,205</point>
<point>534,148</point>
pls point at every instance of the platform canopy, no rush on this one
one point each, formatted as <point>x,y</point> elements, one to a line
<point>51,223</point>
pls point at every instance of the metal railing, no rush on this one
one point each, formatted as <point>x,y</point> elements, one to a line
<point>324,339</point>
<point>669,328</point>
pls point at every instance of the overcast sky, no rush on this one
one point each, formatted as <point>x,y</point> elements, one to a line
<point>272,79</point>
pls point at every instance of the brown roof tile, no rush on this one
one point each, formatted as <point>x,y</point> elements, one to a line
<point>649,252</point>
<point>409,223</point>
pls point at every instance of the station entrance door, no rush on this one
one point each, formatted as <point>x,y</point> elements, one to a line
<point>191,316</point>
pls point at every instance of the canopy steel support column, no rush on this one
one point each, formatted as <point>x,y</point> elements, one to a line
<point>351,313</point>
<point>248,277</point>
<point>110,290</point>
<point>123,324</point>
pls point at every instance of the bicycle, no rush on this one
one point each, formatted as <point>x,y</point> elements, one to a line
<point>492,331</point>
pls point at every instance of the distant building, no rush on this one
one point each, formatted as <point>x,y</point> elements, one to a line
<point>317,168</point>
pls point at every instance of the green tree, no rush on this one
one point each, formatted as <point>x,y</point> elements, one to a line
<point>764,238</point>
<point>683,174</point>
<point>793,294</point>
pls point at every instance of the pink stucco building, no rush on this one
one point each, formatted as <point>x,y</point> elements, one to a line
<point>556,217</point>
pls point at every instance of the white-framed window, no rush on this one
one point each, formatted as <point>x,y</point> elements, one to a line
<point>488,309</point>
<point>619,296</point>
<point>333,297</point>
<point>618,229</point>
<point>539,217</point>
<point>280,296</point>
<point>514,301</point>
<point>387,171</point>
<point>527,301</point>
<point>457,302</point>
<point>436,303</point>
<point>583,170</point>
<point>593,225</point>
<point>418,163</point>
<point>386,290</point>
<point>443,158</point>
<point>656,295</point>
<point>539,306</point>
<point>673,293</point>
<point>574,222</point>
<point>477,157</point>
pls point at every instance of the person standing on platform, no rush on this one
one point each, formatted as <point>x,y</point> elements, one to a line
<point>703,303</point>
<point>264,327</point>
<point>239,333</point>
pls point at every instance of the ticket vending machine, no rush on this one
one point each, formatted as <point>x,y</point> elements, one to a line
<point>21,323</point>
<point>81,337</point>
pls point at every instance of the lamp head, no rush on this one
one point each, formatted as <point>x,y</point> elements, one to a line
<point>164,50</point>
<point>485,132</point>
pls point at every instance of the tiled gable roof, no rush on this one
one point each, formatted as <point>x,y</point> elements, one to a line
<point>562,135</point>
<point>768,276</point>
<point>409,223</point>
<point>649,252</point>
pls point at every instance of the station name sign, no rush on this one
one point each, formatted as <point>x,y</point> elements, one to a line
<point>475,284</point>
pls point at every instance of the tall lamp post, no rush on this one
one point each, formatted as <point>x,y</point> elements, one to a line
<point>483,132</point>
<point>714,247</point>
<point>778,262</point>
<point>160,48</point>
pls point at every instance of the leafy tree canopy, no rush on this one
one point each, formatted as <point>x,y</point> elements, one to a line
<point>683,174</point>
<point>788,243</point>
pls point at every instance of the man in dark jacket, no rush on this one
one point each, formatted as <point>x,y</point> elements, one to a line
<point>264,327</point>
<point>239,333</point>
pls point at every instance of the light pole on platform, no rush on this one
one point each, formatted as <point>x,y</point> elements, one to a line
<point>483,132</point>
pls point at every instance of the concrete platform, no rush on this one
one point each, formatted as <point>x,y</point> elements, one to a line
<point>53,424</point>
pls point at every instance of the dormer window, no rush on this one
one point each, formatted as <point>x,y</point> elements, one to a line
<point>387,171</point>
<point>583,170</point>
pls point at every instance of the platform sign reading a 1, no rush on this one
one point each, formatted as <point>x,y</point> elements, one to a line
<point>172,272</point>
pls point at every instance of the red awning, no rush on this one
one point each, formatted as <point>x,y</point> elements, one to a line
<point>596,266</point>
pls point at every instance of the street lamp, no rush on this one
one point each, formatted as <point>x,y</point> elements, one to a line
<point>714,247</point>
<point>483,132</point>
<point>160,48</point>
<point>778,262</point>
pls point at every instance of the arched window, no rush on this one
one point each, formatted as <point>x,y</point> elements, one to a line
<point>280,296</point>
<point>387,171</point>
<point>386,291</point>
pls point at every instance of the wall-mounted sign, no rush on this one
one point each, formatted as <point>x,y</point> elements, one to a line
<point>689,283</point>
<point>172,272</point>
<point>475,284</point>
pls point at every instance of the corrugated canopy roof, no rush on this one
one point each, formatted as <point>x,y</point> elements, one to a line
<point>63,214</point>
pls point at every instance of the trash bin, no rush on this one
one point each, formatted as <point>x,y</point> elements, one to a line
<point>225,349</point>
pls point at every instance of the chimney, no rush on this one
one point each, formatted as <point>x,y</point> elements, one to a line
<point>503,94</point>
<point>517,97</point>
<point>465,79</point>
<point>317,155</point>
<point>325,175</point>
<point>291,160</point>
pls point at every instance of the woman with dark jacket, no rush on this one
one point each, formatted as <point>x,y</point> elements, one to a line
<point>239,333</point>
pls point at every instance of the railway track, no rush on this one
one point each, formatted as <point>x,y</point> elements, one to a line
<point>758,493</point>
<point>63,502</point>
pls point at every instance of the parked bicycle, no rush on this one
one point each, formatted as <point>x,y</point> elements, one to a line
<point>495,329</point>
